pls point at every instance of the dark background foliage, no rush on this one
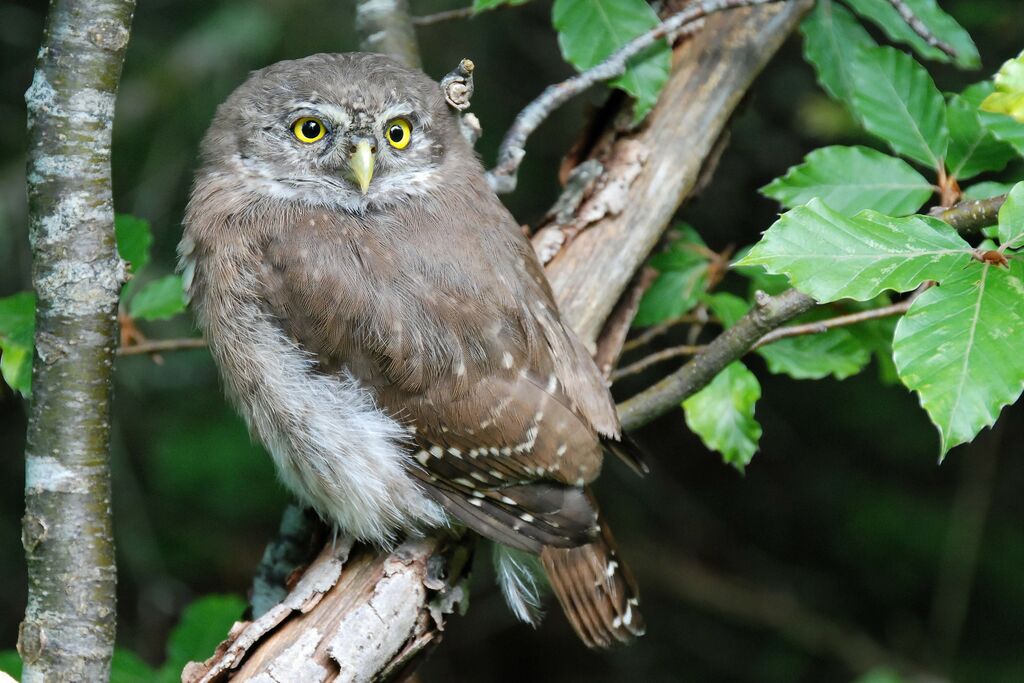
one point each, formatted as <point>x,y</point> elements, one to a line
<point>844,510</point>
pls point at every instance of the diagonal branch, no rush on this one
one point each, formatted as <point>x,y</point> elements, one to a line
<point>919,27</point>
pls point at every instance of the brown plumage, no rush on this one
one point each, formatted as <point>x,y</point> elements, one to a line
<point>393,341</point>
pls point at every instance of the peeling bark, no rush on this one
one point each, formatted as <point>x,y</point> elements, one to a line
<point>68,631</point>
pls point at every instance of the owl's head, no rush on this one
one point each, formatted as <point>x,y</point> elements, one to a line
<point>349,130</point>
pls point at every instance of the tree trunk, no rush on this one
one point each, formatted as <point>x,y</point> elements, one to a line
<point>68,631</point>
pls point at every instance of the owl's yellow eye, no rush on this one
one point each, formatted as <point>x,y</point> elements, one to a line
<point>308,130</point>
<point>398,133</point>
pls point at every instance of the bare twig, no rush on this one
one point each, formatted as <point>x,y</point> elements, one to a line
<point>914,22</point>
<point>655,358</point>
<point>820,326</point>
<point>661,328</point>
<point>162,345</point>
<point>447,15</point>
<point>972,215</point>
<point>512,150</point>
<point>68,631</point>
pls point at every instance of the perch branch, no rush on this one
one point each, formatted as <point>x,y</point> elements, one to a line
<point>512,150</point>
<point>68,631</point>
<point>918,26</point>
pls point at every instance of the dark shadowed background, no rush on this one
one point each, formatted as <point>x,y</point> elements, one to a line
<point>843,527</point>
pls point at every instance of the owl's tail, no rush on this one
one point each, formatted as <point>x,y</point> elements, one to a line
<point>596,590</point>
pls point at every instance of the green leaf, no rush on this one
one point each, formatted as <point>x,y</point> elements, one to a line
<point>973,149</point>
<point>830,256</point>
<point>1003,126</point>
<point>959,348</point>
<point>1011,219</point>
<point>682,280</point>
<point>729,308</point>
<point>134,239</point>
<point>896,99</point>
<point>832,36</point>
<point>836,352</point>
<point>849,179</point>
<point>17,339</point>
<point>881,676</point>
<point>987,190</point>
<point>590,30</point>
<point>10,663</point>
<point>1008,97</point>
<point>160,299</point>
<point>484,5</point>
<point>722,414</point>
<point>204,624</point>
<point>128,667</point>
<point>941,25</point>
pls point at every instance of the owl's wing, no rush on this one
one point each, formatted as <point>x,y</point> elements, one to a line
<point>502,404</point>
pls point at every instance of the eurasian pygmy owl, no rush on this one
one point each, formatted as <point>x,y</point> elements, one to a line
<point>387,332</point>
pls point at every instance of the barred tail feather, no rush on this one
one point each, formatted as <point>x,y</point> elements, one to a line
<point>522,580</point>
<point>596,590</point>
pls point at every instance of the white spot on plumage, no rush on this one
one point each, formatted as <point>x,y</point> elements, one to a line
<point>436,451</point>
<point>506,360</point>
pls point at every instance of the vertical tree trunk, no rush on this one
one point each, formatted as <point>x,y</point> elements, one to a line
<point>68,631</point>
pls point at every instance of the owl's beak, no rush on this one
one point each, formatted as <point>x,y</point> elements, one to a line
<point>361,164</point>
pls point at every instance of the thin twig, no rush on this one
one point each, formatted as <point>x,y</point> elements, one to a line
<point>161,345</point>
<point>663,327</point>
<point>655,358</point>
<point>972,215</point>
<point>512,150</point>
<point>820,326</point>
<point>921,30</point>
<point>447,15</point>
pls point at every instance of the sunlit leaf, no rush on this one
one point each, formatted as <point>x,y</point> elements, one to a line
<point>941,25</point>
<point>832,36</point>
<point>1011,219</point>
<point>722,414</point>
<point>973,149</point>
<point>1008,97</point>
<point>160,299</point>
<point>830,256</point>
<point>896,99</point>
<point>1003,126</point>
<point>17,339</point>
<point>849,179</point>
<point>590,30</point>
<point>959,347</point>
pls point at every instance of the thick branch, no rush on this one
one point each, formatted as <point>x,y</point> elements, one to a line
<point>68,632</point>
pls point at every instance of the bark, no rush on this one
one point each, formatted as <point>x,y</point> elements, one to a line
<point>601,232</point>
<point>386,26</point>
<point>68,631</point>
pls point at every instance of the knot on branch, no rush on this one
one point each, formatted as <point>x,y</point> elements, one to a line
<point>457,85</point>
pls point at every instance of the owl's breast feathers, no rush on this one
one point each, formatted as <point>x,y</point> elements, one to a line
<point>461,343</point>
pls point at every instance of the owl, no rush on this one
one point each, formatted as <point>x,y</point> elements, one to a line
<point>388,334</point>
